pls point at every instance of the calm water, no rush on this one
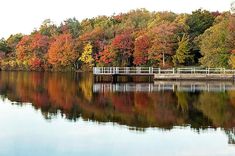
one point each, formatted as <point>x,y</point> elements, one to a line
<point>66,114</point>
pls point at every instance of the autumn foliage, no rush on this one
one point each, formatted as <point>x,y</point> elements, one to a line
<point>142,44</point>
<point>62,52</point>
<point>135,38</point>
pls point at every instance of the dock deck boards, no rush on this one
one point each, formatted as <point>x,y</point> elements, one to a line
<point>167,74</point>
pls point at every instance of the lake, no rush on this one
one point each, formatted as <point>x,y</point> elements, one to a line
<point>66,114</point>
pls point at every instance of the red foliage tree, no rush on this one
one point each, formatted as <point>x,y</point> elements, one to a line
<point>105,57</point>
<point>140,54</point>
<point>123,46</point>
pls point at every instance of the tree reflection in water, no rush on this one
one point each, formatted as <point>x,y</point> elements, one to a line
<point>73,95</point>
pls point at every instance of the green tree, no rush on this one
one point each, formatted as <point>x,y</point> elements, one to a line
<point>233,7</point>
<point>72,26</point>
<point>199,21</point>
<point>48,28</point>
<point>215,45</point>
<point>4,46</point>
<point>183,55</point>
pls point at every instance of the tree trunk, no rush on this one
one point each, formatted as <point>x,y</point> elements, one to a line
<point>163,59</point>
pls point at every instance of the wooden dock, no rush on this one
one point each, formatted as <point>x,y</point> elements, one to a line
<point>165,74</point>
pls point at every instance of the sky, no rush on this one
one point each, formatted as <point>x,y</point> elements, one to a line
<point>23,16</point>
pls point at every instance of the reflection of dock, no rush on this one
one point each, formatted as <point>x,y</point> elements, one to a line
<point>189,86</point>
<point>231,135</point>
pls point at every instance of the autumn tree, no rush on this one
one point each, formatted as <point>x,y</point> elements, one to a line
<point>159,18</point>
<point>164,42</point>
<point>123,46</point>
<point>183,55</point>
<point>48,28</point>
<point>105,57</point>
<point>86,56</point>
<point>142,44</point>
<point>12,42</point>
<point>214,47</point>
<point>31,50</point>
<point>62,52</point>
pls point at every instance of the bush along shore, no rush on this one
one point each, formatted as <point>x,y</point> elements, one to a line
<point>136,38</point>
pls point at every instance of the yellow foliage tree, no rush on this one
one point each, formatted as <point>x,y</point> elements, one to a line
<point>232,61</point>
<point>86,56</point>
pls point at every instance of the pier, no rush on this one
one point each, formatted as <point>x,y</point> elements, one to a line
<point>164,74</point>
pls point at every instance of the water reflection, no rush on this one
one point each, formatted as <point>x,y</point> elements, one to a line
<point>186,86</point>
<point>139,106</point>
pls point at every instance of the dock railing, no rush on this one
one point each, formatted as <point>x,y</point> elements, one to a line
<point>152,71</point>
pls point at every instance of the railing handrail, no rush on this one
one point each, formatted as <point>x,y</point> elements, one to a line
<point>153,70</point>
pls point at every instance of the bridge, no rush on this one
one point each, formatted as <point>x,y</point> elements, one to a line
<point>193,73</point>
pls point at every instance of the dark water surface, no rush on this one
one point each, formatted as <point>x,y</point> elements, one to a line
<point>66,114</point>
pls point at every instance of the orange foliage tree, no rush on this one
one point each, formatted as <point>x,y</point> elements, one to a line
<point>163,43</point>
<point>62,51</point>
<point>105,57</point>
<point>31,50</point>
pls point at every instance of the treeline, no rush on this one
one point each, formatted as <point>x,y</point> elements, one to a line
<point>136,38</point>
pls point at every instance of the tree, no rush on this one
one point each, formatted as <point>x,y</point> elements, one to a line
<point>199,21</point>
<point>31,50</point>
<point>233,7</point>
<point>87,55</point>
<point>12,42</point>
<point>72,26</point>
<point>62,51</point>
<point>183,55</point>
<point>4,46</point>
<point>140,54</point>
<point>106,57</point>
<point>22,48</point>
<point>232,60</point>
<point>48,28</point>
<point>163,43</point>
<point>214,45</point>
<point>159,18</point>
<point>123,46</point>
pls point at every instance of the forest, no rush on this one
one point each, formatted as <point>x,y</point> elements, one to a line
<point>136,38</point>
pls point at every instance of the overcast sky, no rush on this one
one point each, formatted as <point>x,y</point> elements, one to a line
<point>25,15</point>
